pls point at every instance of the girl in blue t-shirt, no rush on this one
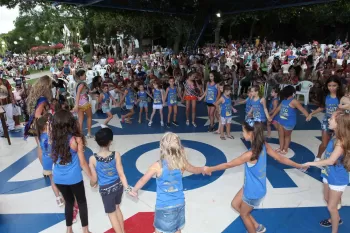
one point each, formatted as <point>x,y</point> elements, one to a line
<point>142,96</point>
<point>45,153</point>
<point>211,94</point>
<point>129,102</point>
<point>171,94</point>
<point>287,111</point>
<point>225,104</point>
<point>107,171</point>
<point>67,154</point>
<point>158,97</point>
<point>328,104</point>
<point>170,202</point>
<point>336,166</point>
<point>254,189</point>
<point>105,98</point>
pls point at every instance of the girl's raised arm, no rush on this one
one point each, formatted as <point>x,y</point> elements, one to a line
<point>337,152</point>
<point>278,109</point>
<point>280,158</point>
<point>195,170</point>
<point>300,108</point>
<point>153,170</point>
<point>233,163</point>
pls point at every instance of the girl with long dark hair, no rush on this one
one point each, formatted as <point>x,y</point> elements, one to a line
<point>333,92</point>
<point>254,189</point>
<point>67,153</point>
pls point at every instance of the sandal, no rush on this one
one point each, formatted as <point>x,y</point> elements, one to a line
<point>222,138</point>
<point>327,223</point>
<point>216,132</point>
<point>230,137</point>
<point>59,201</point>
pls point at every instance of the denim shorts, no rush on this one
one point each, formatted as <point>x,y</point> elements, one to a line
<point>129,107</point>
<point>106,109</point>
<point>169,220</point>
<point>252,202</point>
<point>325,126</point>
<point>143,104</point>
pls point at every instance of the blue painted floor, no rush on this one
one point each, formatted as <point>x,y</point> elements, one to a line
<point>293,204</point>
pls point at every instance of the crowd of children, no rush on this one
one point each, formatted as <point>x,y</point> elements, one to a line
<point>62,150</point>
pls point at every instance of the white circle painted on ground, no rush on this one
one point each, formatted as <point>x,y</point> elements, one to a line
<point>147,159</point>
<point>290,153</point>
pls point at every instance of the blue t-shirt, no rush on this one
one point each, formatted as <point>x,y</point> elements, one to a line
<point>169,187</point>
<point>335,174</point>
<point>255,178</point>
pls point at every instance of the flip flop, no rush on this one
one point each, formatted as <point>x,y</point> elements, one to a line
<point>230,137</point>
<point>222,138</point>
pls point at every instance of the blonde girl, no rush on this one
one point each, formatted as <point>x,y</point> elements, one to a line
<point>336,167</point>
<point>170,204</point>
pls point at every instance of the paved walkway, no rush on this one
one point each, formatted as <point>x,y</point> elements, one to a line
<point>33,76</point>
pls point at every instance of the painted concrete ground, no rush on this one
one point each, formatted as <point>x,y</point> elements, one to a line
<point>294,201</point>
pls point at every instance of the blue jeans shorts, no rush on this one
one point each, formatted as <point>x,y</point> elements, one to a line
<point>252,202</point>
<point>129,107</point>
<point>169,220</point>
<point>106,109</point>
<point>325,125</point>
<point>143,104</point>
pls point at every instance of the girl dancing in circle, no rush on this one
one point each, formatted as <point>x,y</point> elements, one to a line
<point>254,189</point>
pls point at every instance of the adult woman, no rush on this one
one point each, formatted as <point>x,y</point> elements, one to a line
<point>82,104</point>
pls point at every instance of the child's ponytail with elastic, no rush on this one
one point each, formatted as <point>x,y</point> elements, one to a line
<point>258,140</point>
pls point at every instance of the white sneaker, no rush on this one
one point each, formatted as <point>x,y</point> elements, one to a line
<point>162,123</point>
<point>317,159</point>
<point>150,123</point>
<point>104,126</point>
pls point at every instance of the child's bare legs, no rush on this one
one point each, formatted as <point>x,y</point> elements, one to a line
<point>211,112</point>
<point>170,110</point>
<point>152,115</point>
<point>217,115</point>
<point>117,220</point>
<point>175,113</point>
<point>187,111</point>
<point>228,130</point>
<point>140,114</point>
<point>325,139</point>
<point>287,139</point>
<point>81,119</point>
<point>146,112</point>
<point>237,204</point>
<point>109,117</point>
<point>89,120</point>
<point>332,198</point>
<point>128,115</point>
<point>281,137</point>
<point>221,127</point>
<point>268,129</point>
<point>54,187</point>
<point>161,114</point>
<point>194,103</point>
